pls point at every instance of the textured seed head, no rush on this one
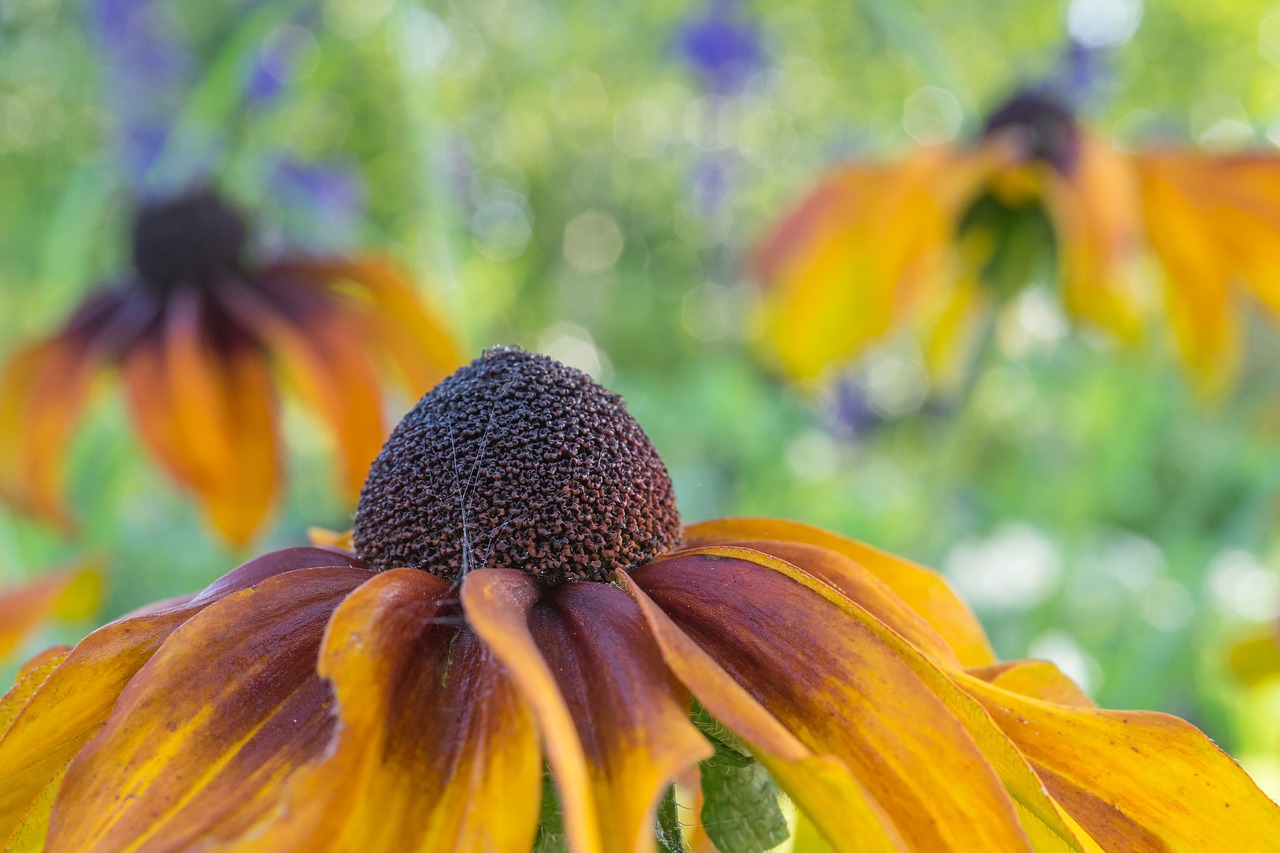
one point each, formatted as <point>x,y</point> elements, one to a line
<point>195,238</point>
<point>517,461</point>
<point>1049,131</point>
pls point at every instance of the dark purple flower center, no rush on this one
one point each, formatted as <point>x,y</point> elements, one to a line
<point>195,238</point>
<point>1047,129</point>
<point>517,461</point>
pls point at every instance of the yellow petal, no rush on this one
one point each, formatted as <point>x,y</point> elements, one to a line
<point>57,706</point>
<point>1038,679</point>
<point>207,733</point>
<point>434,749</point>
<point>851,696</point>
<point>1135,780</point>
<point>821,785</point>
<point>498,603</point>
<point>1096,218</point>
<point>1046,823</point>
<point>632,715</point>
<point>925,591</point>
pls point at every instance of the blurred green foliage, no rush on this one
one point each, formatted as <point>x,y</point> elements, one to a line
<point>541,167</point>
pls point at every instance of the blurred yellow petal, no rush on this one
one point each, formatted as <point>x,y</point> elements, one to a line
<point>1256,657</point>
<point>67,594</point>
<point>1096,213</point>
<point>924,590</point>
<point>1197,273</point>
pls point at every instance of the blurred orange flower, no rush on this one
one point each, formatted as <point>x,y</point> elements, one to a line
<point>520,594</point>
<point>198,333</point>
<point>950,232</point>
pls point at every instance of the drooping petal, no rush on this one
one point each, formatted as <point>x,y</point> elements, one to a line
<point>54,709</point>
<point>1096,218</point>
<point>434,749</point>
<point>821,785</point>
<point>841,690</point>
<point>1135,780</point>
<point>71,593</point>
<point>925,591</point>
<point>498,604</point>
<point>1198,271</point>
<point>206,735</point>
<point>327,360</point>
<point>422,346</point>
<point>632,715</point>
<point>43,390</point>
<point>217,410</point>
<point>853,257</point>
<point>863,587</point>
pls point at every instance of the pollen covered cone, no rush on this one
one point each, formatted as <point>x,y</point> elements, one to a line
<point>201,338</point>
<point>412,696</point>
<point>950,232</point>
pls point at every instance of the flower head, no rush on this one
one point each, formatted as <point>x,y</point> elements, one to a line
<point>951,232</point>
<point>318,699</point>
<point>197,331</point>
<point>722,46</point>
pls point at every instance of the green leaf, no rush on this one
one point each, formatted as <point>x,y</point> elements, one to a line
<point>740,808</point>
<point>666,824</point>
<point>551,837</point>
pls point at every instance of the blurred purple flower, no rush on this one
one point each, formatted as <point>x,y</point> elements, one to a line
<point>148,71</point>
<point>849,410</point>
<point>325,201</point>
<point>1082,74</point>
<point>143,69</point>
<point>722,45</point>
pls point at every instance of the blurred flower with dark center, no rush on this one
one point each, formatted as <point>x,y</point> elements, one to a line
<point>521,591</point>
<point>198,329</point>
<point>950,233</point>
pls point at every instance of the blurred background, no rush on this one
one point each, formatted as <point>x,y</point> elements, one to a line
<point>588,181</point>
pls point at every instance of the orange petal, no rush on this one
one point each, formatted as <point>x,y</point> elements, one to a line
<point>853,697</point>
<point>43,390</point>
<point>434,749</point>
<point>205,736</point>
<point>498,604</point>
<point>71,594</point>
<point>821,785</point>
<point>632,715</point>
<point>1135,780</point>
<point>925,591</point>
<point>422,346</point>
<point>327,360</point>
<point>54,709</point>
